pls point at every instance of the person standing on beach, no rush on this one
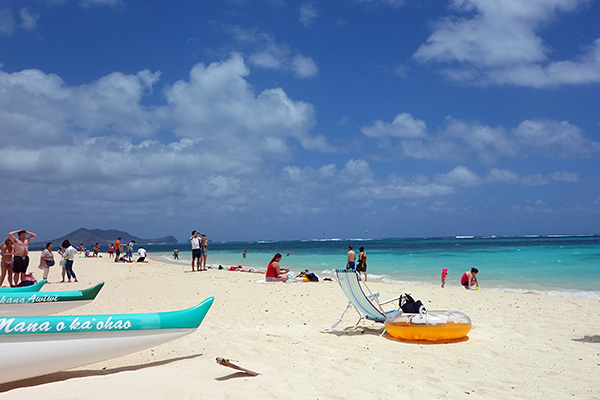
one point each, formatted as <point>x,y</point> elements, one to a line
<point>21,251</point>
<point>362,262</point>
<point>444,275</point>
<point>7,262</point>
<point>129,252</point>
<point>175,254</point>
<point>117,249</point>
<point>469,279</point>
<point>46,260</point>
<point>69,257</point>
<point>196,250</point>
<point>351,258</point>
<point>204,248</point>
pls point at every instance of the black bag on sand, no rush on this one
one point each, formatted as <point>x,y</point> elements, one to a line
<point>410,306</point>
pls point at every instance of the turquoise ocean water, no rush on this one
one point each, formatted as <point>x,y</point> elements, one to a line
<point>550,264</point>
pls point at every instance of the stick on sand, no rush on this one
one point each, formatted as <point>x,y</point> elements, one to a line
<point>225,362</point>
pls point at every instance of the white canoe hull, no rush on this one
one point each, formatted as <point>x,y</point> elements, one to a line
<point>47,353</point>
<point>34,309</point>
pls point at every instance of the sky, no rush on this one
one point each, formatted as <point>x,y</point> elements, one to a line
<point>276,119</point>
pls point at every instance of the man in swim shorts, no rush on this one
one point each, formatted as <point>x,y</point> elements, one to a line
<point>21,251</point>
<point>351,258</point>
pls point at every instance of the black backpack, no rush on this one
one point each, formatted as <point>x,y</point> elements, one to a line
<point>410,306</point>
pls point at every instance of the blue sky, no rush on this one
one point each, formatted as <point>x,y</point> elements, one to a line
<point>273,119</point>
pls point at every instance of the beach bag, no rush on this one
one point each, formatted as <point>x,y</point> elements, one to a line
<point>410,306</point>
<point>308,276</point>
<point>50,262</point>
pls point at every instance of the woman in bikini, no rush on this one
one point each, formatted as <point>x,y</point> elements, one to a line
<point>7,262</point>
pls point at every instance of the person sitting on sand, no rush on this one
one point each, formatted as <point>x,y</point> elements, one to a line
<point>469,279</point>
<point>142,255</point>
<point>274,273</point>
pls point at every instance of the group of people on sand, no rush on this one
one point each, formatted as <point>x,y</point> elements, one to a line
<point>117,249</point>
<point>468,279</point>
<point>15,259</point>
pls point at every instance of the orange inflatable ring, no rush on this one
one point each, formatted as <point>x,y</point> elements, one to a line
<point>440,326</point>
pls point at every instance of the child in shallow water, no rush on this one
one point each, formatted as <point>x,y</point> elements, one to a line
<point>444,275</point>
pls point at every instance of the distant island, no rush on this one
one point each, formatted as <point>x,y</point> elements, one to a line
<point>101,236</point>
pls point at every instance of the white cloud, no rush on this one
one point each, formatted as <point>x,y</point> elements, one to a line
<point>503,175</point>
<point>91,132</point>
<point>498,43</point>
<point>459,176</point>
<point>268,53</point>
<point>407,137</point>
<point>219,107</point>
<point>28,19</point>
<point>308,14</point>
<point>403,126</point>
<point>512,178</point>
<point>554,138</point>
<point>565,176</point>
<point>304,67</point>
<point>39,108</point>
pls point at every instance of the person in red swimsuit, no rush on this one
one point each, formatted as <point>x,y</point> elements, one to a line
<point>274,273</point>
<point>469,279</point>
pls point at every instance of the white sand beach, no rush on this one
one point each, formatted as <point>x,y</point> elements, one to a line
<point>521,346</point>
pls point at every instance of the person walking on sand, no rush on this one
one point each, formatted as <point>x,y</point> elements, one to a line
<point>362,262</point>
<point>117,249</point>
<point>351,258</point>
<point>274,272</point>
<point>204,248</point>
<point>69,257</point>
<point>469,279</point>
<point>46,260</point>
<point>196,250</point>
<point>7,262</point>
<point>21,251</point>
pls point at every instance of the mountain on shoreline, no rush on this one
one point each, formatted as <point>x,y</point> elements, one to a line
<point>101,236</point>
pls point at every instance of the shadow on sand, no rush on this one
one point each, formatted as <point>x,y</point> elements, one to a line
<point>588,339</point>
<point>65,375</point>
